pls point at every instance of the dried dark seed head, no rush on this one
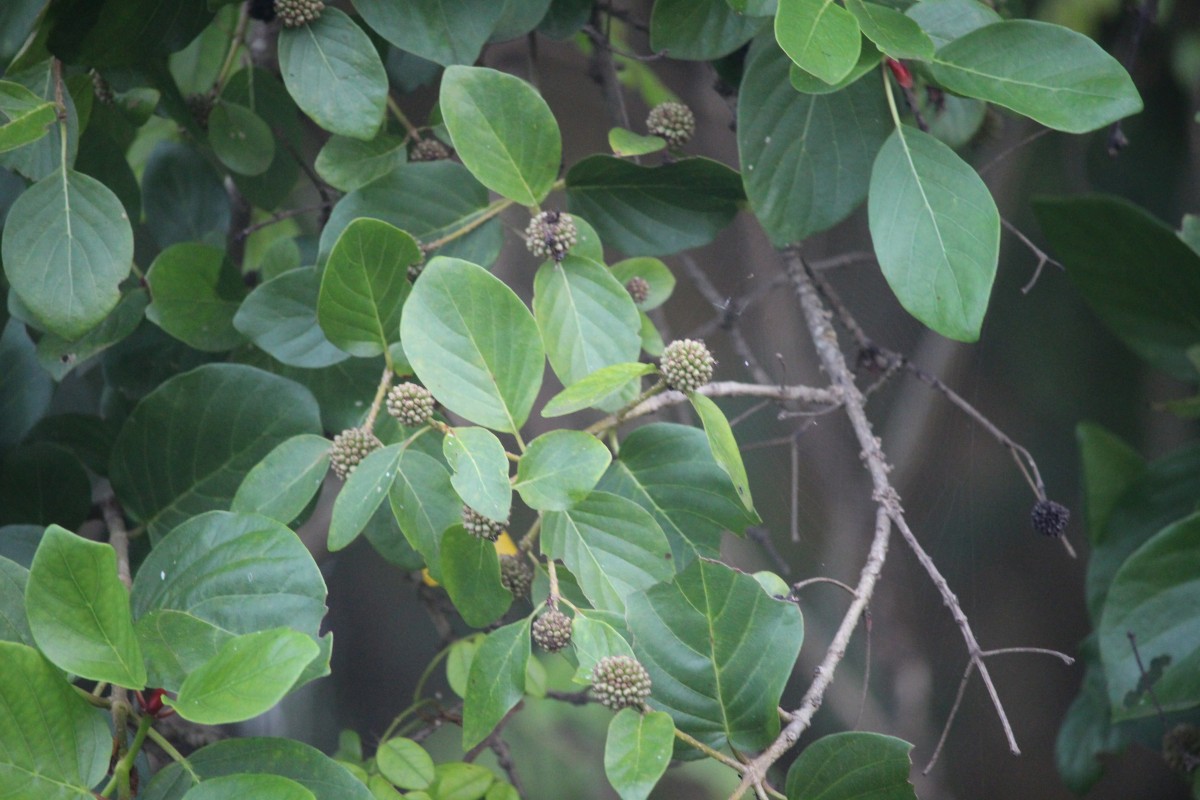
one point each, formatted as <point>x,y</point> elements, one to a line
<point>1050,518</point>
<point>516,575</point>
<point>429,150</point>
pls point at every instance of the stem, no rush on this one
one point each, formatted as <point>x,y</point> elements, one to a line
<point>483,216</point>
<point>553,573</point>
<point>413,132</point>
<point>531,536</point>
<point>385,382</point>
<point>175,755</point>
<point>235,44</point>
<point>708,751</point>
<point>891,98</point>
<point>121,772</point>
<point>406,713</point>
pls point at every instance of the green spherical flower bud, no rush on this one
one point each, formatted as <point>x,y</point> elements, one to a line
<point>350,447</point>
<point>620,682</point>
<point>410,403</point>
<point>674,122</point>
<point>551,234</point>
<point>552,630</point>
<point>687,365</point>
<point>295,13</point>
<point>483,527</point>
<point>516,575</point>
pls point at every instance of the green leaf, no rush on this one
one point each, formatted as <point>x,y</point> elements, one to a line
<point>471,575</point>
<point>424,504</point>
<point>334,74</point>
<point>348,164</point>
<point>699,30</point>
<point>320,774</point>
<point>1047,72</point>
<point>868,59</point>
<point>473,343</point>
<point>587,318</point>
<point>405,763</point>
<point>669,470</point>
<point>654,210</point>
<point>820,36</point>
<point>1110,467</point>
<point>1154,596</point>
<point>461,781</point>
<point>656,274</point>
<point>701,639</point>
<point>429,200</point>
<point>637,751</point>
<point>806,159</point>
<point>596,389</point>
<point>496,682</point>
<point>612,545</point>
<point>260,787</point>
<point>263,93</point>
<point>947,20</point>
<point>14,625</point>
<point>936,232</point>
<point>53,744</point>
<point>67,245</point>
<point>175,643</point>
<point>242,573</point>
<point>560,468</point>
<point>724,447</point>
<point>25,393</point>
<point>1149,302</point>
<point>626,143</point>
<point>893,33</point>
<point>479,471</point>
<point>43,157</point>
<point>458,662</point>
<point>43,483</point>
<point>241,139</point>
<point>196,292</point>
<point>593,639</point>
<point>183,197</point>
<point>286,480</point>
<point>78,610</point>
<point>59,356</point>
<point>247,677</point>
<point>280,316</point>
<point>441,31</point>
<point>365,489</point>
<point>364,286</point>
<point>221,419</point>
<point>846,766</point>
<point>24,117</point>
<point>503,131</point>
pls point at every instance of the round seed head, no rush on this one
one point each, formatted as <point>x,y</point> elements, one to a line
<point>687,365</point>
<point>1050,518</point>
<point>551,234</point>
<point>674,122</point>
<point>429,150</point>
<point>1181,748</point>
<point>483,527</point>
<point>620,682</point>
<point>516,575</point>
<point>552,630</point>
<point>410,403</point>
<point>295,13</point>
<point>638,288</point>
<point>350,447</point>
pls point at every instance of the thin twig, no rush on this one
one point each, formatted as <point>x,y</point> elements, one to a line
<point>504,758</point>
<point>1137,656</point>
<point>1042,256</point>
<point>740,345</point>
<point>604,71</point>
<point>280,216</point>
<point>1145,14</point>
<point>1030,139</point>
<point>600,40</point>
<point>822,579</point>
<point>761,536</point>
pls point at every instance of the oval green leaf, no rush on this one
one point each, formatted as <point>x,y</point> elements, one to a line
<point>596,389</point>
<point>496,682</point>
<point>445,33</point>
<point>474,344</point>
<point>1052,74</point>
<point>424,504</point>
<point>868,59</point>
<point>700,638</point>
<point>846,766</point>
<point>479,471</point>
<point>240,138</point>
<point>365,489</point>
<point>364,286</point>
<point>175,643</point>
<point>347,164</point>
<point>24,117</point>
<point>260,787</point>
<point>78,610</point>
<point>195,294</point>
<point>503,131</point>
<point>405,763</point>
<point>724,447</point>
<point>637,751</point>
<point>626,143</point>
<point>280,316</point>
<point>282,484</point>
<point>699,30</point>
<point>654,272</point>
<point>593,639</point>
<point>893,33</point>
<point>471,575</point>
<point>14,624</point>
<point>560,468</point>
<point>936,232</point>
<point>67,246</point>
<point>222,420</point>
<point>820,36</point>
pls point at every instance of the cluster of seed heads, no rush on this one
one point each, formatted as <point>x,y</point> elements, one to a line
<point>350,447</point>
<point>620,682</point>
<point>674,122</point>
<point>1050,518</point>
<point>687,365</point>
<point>516,575</point>
<point>295,13</point>
<point>552,630</point>
<point>638,288</point>
<point>551,234</point>
<point>483,527</point>
<point>429,150</point>
<point>410,403</point>
<point>1181,748</point>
